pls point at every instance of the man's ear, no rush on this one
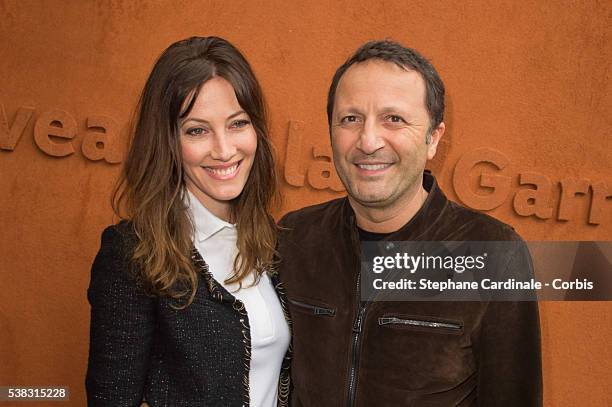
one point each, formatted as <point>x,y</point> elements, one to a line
<point>434,139</point>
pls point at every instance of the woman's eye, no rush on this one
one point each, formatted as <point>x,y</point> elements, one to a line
<point>195,131</point>
<point>240,123</point>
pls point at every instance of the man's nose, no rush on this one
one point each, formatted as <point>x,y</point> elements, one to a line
<point>223,149</point>
<point>370,139</point>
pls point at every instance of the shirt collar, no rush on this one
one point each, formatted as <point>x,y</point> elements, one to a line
<point>206,224</point>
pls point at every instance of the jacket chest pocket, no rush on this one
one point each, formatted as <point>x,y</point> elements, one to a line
<point>417,352</point>
<point>313,309</point>
<point>423,324</point>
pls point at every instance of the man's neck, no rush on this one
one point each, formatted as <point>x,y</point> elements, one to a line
<point>390,218</point>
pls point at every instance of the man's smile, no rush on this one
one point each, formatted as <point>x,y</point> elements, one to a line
<point>372,168</point>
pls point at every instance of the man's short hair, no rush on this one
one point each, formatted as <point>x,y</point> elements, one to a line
<point>406,58</point>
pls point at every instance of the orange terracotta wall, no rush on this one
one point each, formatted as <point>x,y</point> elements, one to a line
<point>528,81</point>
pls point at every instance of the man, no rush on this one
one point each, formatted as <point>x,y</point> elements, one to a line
<point>385,113</point>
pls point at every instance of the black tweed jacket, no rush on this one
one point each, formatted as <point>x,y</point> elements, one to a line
<point>141,348</point>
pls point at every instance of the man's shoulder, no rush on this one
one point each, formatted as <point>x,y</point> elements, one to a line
<point>474,225</point>
<point>314,215</point>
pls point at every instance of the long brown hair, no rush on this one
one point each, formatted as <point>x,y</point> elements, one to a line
<point>151,189</point>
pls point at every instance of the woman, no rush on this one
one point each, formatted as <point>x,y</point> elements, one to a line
<point>185,310</point>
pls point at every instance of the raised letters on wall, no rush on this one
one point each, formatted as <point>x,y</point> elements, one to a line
<point>100,142</point>
<point>55,130</point>
<point>536,199</point>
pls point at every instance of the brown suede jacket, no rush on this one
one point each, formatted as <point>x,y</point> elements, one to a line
<point>485,353</point>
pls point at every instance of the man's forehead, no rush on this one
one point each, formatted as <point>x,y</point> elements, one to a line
<point>380,80</point>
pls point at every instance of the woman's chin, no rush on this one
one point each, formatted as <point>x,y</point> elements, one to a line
<point>227,195</point>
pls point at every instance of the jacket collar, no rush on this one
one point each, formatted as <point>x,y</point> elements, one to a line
<point>420,223</point>
<point>219,293</point>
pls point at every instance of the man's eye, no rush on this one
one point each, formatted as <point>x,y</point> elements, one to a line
<point>349,119</point>
<point>237,124</point>
<point>195,131</point>
<point>395,118</point>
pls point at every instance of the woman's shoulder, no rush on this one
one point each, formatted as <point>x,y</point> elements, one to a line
<point>124,230</point>
<point>112,268</point>
<point>114,282</point>
<point>117,242</point>
<point>121,233</point>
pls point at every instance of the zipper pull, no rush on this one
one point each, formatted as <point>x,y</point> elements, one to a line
<point>324,311</point>
<point>385,321</point>
<point>358,320</point>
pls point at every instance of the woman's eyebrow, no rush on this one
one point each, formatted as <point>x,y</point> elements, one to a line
<point>200,120</point>
<point>238,113</point>
<point>194,119</point>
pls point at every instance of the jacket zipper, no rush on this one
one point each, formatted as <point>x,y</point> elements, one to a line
<point>358,323</point>
<point>357,329</point>
<point>418,322</point>
<point>315,309</point>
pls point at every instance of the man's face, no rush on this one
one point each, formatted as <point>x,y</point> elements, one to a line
<point>379,128</point>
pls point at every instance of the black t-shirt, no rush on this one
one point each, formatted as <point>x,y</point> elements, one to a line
<point>365,236</point>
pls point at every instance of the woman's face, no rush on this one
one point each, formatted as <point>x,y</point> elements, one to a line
<point>218,143</point>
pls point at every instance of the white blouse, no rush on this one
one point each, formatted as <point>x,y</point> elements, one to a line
<point>215,239</point>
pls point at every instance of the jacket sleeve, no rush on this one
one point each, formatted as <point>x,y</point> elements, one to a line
<point>122,321</point>
<point>507,349</point>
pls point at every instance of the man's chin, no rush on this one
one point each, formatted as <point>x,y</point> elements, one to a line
<point>372,199</point>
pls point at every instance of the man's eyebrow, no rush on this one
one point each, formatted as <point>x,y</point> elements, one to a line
<point>349,109</point>
<point>392,109</point>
